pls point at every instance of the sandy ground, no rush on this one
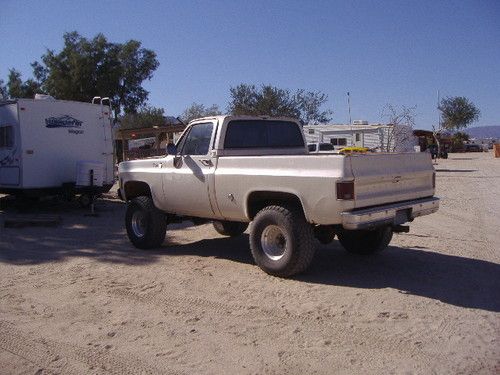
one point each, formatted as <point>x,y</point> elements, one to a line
<point>79,299</point>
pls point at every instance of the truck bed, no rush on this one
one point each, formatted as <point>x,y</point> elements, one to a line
<point>386,178</point>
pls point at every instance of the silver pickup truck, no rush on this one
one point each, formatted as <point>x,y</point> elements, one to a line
<point>233,170</point>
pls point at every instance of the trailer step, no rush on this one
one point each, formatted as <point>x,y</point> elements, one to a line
<point>21,221</point>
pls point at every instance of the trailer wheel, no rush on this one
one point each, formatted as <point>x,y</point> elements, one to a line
<point>146,225</point>
<point>365,242</point>
<point>230,228</point>
<point>282,241</point>
<point>85,200</point>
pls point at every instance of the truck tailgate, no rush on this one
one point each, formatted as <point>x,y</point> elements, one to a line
<point>387,178</point>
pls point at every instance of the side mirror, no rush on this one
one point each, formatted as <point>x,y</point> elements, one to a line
<point>171,149</point>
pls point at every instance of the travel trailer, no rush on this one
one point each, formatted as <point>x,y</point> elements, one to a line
<point>50,147</point>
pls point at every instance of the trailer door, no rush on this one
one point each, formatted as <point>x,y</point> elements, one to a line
<point>10,147</point>
<point>108,145</point>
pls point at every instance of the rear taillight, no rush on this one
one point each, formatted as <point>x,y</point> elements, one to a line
<point>433,180</point>
<point>345,190</point>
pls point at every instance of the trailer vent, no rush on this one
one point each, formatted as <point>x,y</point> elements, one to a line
<point>89,173</point>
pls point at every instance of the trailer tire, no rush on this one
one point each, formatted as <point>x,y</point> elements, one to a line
<point>85,200</point>
<point>230,228</point>
<point>365,242</point>
<point>282,241</point>
<point>146,225</point>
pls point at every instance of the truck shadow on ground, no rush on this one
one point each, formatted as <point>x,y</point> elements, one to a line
<point>455,280</point>
<point>102,238</point>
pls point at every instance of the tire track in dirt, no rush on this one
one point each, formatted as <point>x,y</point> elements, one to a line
<point>344,332</point>
<point>59,358</point>
<point>35,351</point>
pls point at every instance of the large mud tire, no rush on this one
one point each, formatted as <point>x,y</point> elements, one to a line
<point>365,242</point>
<point>230,228</point>
<point>282,241</point>
<point>146,225</point>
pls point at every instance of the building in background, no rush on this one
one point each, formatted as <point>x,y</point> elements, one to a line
<point>376,137</point>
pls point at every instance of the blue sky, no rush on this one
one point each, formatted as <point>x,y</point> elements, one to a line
<point>398,52</point>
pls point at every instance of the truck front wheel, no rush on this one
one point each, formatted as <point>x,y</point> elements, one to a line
<point>146,225</point>
<point>230,228</point>
<point>282,241</point>
<point>365,242</point>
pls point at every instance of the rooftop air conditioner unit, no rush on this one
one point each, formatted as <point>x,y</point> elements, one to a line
<point>360,122</point>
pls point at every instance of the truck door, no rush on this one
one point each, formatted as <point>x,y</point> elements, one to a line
<point>189,176</point>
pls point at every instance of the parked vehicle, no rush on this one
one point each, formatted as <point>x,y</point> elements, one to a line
<point>233,170</point>
<point>50,146</point>
<point>471,147</point>
<point>320,147</point>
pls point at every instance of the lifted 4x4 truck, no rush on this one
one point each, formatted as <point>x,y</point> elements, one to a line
<point>233,170</point>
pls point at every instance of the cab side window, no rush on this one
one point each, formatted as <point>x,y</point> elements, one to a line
<point>197,141</point>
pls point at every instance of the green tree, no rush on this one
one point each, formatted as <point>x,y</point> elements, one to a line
<point>458,139</point>
<point>457,113</point>
<point>196,110</point>
<point>144,117</point>
<point>3,90</point>
<point>85,68</point>
<point>273,101</point>
<point>16,88</point>
<point>310,104</point>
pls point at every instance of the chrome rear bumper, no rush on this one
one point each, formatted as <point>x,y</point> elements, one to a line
<point>390,214</point>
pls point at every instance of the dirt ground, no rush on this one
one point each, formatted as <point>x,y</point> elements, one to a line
<point>79,299</point>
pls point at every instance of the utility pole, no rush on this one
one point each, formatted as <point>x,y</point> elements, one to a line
<point>349,107</point>
<point>350,120</point>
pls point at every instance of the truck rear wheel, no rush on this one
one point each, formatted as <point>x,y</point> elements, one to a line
<point>282,241</point>
<point>146,225</point>
<point>365,242</point>
<point>230,228</point>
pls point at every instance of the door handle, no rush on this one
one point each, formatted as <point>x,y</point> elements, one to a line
<point>157,165</point>
<point>206,162</point>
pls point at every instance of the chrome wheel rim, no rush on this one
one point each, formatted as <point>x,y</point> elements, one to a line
<point>139,224</point>
<point>273,242</point>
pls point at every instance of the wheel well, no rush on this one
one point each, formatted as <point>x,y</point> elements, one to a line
<point>260,199</point>
<point>135,189</point>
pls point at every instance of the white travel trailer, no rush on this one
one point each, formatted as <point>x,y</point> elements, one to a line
<point>50,146</point>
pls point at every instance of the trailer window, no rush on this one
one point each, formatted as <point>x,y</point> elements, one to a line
<point>6,137</point>
<point>338,141</point>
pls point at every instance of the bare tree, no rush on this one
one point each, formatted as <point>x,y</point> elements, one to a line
<point>401,119</point>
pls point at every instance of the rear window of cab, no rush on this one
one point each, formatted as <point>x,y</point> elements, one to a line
<point>262,134</point>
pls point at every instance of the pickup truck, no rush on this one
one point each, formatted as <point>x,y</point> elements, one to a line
<point>233,170</point>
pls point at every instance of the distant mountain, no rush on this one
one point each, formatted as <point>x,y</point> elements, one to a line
<point>484,132</point>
